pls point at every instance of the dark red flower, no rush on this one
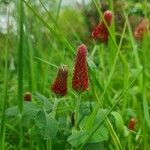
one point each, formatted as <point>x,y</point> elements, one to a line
<point>80,76</point>
<point>59,86</point>
<point>141,29</point>
<point>131,124</point>
<point>100,32</point>
<point>108,16</point>
<point>27,96</point>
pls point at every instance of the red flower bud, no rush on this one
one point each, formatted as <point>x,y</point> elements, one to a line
<point>59,86</point>
<point>80,76</point>
<point>108,16</point>
<point>141,29</point>
<point>100,32</point>
<point>27,96</point>
<point>131,124</point>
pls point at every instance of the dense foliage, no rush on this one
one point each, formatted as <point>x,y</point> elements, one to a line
<point>75,76</point>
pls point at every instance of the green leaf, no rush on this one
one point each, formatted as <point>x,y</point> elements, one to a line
<point>35,134</point>
<point>100,116</point>
<point>40,121</point>
<point>77,137</point>
<point>47,105</point>
<point>118,121</point>
<point>91,118</point>
<point>12,111</point>
<point>51,128</point>
<point>100,135</point>
<point>85,108</point>
<point>95,146</point>
<point>95,118</point>
<point>30,110</point>
<point>47,125</point>
<point>146,111</point>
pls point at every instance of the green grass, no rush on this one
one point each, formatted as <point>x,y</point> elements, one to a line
<point>47,37</point>
<point>5,95</point>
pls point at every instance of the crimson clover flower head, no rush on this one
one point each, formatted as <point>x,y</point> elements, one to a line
<point>108,16</point>
<point>100,32</point>
<point>141,29</point>
<point>80,81</point>
<point>132,123</point>
<point>27,96</point>
<point>59,86</point>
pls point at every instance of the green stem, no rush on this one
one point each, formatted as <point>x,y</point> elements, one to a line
<point>58,10</point>
<point>55,106</point>
<point>134,46</point>
<point>77,110</point>
<point>114,136</point>
<point>30,55</point>
<point>2,133</point>
<point>56,101</point>
<point>49,144</point>
<point>20,69</point>
<point>145,111</point>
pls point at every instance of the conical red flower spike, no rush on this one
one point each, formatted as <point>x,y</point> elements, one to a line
<point>80,76</point>
<point>141,29</point>
<point>100,32</point>
<point>59,86</point>
<point>131,124</point>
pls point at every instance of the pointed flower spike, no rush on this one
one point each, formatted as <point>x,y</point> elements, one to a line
<point>59,86</point>
<point>131,124</point>
<point>142,27</point>
<point>100,32</point>
<point>108,16</point>
<point>80,81</point>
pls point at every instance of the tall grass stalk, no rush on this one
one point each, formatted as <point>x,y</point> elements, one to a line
<point>58,10</point>
<point>145,81</point>
<point>49,144</point>
<point>30,57</point>
<point>20,68</point>
<point>2,132</point>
